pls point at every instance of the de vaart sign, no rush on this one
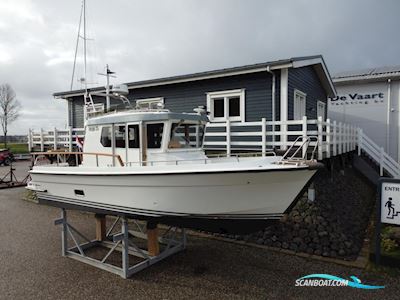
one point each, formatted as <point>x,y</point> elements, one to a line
<point>358,98</point>
<point>388,209</point>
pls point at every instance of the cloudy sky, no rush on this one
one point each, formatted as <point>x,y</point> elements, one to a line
<point>145,39</point>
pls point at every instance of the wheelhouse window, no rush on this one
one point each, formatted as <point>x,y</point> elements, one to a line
<point>226,105</point>
<point>105,138</point>
<point>186,136</point>
<point>119,136</point>
<point>133,136</point>
<point>154,135</point>
<point>150,103</point>
<point>299,108</point>
<point>321,108</point>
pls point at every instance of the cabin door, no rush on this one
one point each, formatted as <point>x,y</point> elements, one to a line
<point>120,142</point>
<point>133,144</point>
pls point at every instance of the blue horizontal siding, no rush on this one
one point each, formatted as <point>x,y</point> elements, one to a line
<point>306,80</point>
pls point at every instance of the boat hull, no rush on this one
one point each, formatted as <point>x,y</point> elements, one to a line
<point>221,200</point>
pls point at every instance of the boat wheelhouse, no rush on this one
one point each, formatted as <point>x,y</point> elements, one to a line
<point>142,137</point>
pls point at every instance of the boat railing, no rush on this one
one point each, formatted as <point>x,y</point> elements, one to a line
<point>235,156</point>
<point>291,155</point>
<point>59,157</point>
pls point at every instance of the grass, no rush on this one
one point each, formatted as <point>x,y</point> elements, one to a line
<point>16,148</point>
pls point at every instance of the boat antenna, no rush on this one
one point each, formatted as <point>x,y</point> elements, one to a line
<point>84,44</point>
<point>84,38</point>
<point>76,46</point>
<point>108,74</point>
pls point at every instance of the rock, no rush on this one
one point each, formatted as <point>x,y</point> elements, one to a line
<point>348,244</point>
<point>302,247</point>
<point>323,233</point>
<point>278,244</point>
<point>342,252</point>
<point>260,241</point>
<point>285,245</point>
<point>303,232</point>
<point>293,247</point>
<point>297,240</point>
<point>268,242</point>
<point>317,252</point>
<point>315,240</point>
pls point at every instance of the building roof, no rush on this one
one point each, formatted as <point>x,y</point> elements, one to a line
<point>295,62</point>
<point>371,74</point>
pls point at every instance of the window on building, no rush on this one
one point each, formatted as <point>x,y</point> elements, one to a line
<point>154,135</point>
<point>133,136</point>
<point>299,109</point>
<point>321,108</point>
<point>119,136</point>
<point>150,103</point>
<point>105,139</point>
<point>226,105</point>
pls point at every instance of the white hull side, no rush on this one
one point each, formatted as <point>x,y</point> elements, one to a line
<point>224,193</point>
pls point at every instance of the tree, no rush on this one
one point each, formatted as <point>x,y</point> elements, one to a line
<point>9,108</point>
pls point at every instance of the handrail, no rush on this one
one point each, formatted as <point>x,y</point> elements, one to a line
<point>209,157</point>
<point>57,153</point>
<point>383,160</point>
<point>306,142</point>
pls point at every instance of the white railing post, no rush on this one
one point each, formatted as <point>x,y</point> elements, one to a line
<point>284,135</point>
<point>343,138</point>
<point>340,138</point>
<point>30,141</point>
<point>352,137</point>
<point>70,138</point>
<point>328,137</point>
<point>228,138</point>
<point>381,157</point>
<point>41,140</point>
<point>304,129</point>
<point>263,137</point>
<point>360,140</point>
<point>55,138</point>
<point>348,137</point>
<point>334,138</point>
<point>197,137</point>
<point>319,122</point>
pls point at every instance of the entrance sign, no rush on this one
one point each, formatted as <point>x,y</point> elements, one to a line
<point>388,209</point>
<point>390,202</point>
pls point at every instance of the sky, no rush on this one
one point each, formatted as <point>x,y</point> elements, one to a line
<point>145,39</point>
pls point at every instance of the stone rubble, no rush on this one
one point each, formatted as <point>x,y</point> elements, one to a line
<point>334,225</point>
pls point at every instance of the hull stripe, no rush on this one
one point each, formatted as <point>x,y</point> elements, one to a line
<point>149,213</point>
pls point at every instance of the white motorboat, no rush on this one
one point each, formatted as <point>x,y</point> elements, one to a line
<point>150,164</point>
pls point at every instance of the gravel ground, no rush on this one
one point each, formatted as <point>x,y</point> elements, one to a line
<point>33,268</point>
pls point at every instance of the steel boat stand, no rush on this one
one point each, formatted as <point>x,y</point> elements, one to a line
<point>173,240</point>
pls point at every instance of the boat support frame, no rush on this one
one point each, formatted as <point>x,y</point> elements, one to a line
<point>173,240</point>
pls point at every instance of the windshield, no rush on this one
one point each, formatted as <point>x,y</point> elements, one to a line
<point>186,136</point>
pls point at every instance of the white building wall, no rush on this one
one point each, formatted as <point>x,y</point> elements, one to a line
<point>367,105</point>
